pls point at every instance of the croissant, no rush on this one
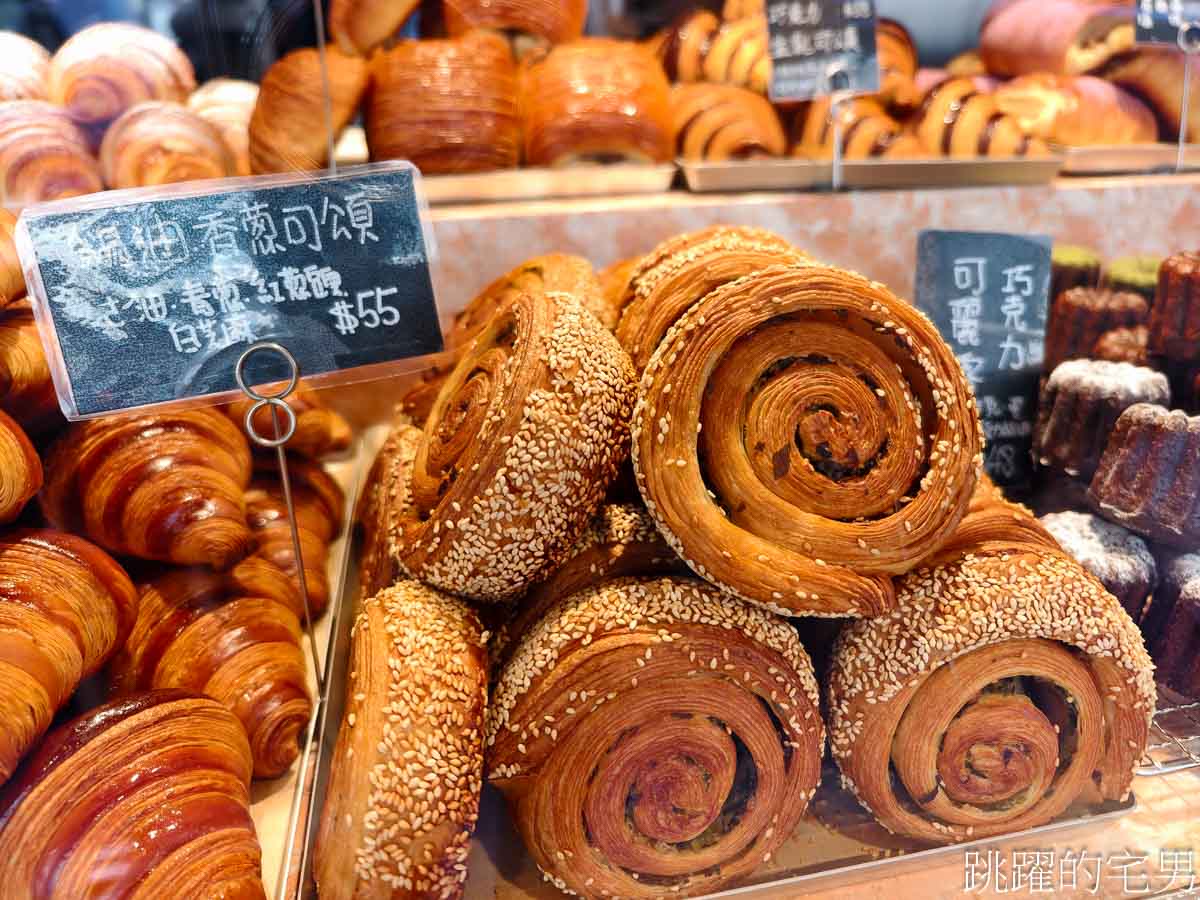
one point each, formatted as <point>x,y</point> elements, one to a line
<point>44,155</point>
<point>655,738</point>
<point>868,132</point>
<point>12,279</point>
<point>681,270</point>
<point>522,443</point>
<point>319,432</point>
<point>1006,679</point>
<point>24,67</point>
<point>448,106</point>
<point>65,607</point>
<point>20,469</point>
<point>26,389</point>
<point>165,486</point>
<point>700,48</point>
<point>593,100</point>
<point>384,500</point>
<point>733,10</point>
<point>958,120</point>
<point>800,435</point>
<point>717,122</point>
<point>162,143</point>
<point>359,26</point>
<point>105,69</point>
<point>897,65</point>
<point>407,768</point>
<point>143,797</point>
<point>289,129</point>
<point>531,22</point>
<point>228,103</point>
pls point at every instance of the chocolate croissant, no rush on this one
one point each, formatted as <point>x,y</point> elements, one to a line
<point>717,122</point>
<point>532,23</point>
<point>228,103</point>
<point>289,129</point>
<point>65,608</point>
<point>359,26</point>
<point>162,143</point>
<point>26,389</point>
<point>44,155</point>
<point>143,797</point>
<point>24,67</point>
<point>700,48</point>
<point>958,120</point>
<point>867,132</point>
<point>105,69</point>
<point>12,279</point>
<point>403,793</point>
<point>446,105</point>
<point>164,486</point>
<point>596,100</point>
<point>320,430</point>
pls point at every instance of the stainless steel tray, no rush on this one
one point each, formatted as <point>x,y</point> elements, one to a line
<point>1174,735</point>
<point>1127,158</point>
<point>803,174</point>
<point>540,184</point>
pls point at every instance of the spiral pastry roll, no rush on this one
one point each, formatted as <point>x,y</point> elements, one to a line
<point>359,26</point>
<point>383,503</point>
<point>162,143</point>
<point>164,486</point>
<point>320,430</point>
<point>525,437</point>
<point>1005,681</point>
<point>958,120</point>
<point>867,132</point>
<point>700,48</point>
<point>407,769</point>
<point>24,67</point>
<point>12,279</point>
<point>142,798</point>
<point>65,607</point>
<point>596,100</point>
<point>105,69</point>
<point>532,23</point>
<point>654,737</point>
<point>44,155</point>
<point>717,122</point>
<point>290,128</point>
<point>800,435</point>
<point>26,389</point>
<point>228,103</point>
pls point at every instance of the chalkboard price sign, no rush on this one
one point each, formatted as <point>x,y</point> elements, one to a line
<point>818,47</point>
<point>987,295</point>
<point>149,296</point>
<point>1160,21</point>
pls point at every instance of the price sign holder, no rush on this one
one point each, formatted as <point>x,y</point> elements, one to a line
<point>1173,23</point>
<point>809,39</point>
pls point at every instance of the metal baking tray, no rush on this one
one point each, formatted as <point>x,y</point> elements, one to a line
<point>540,184</point>
<point>804,174</point>
<point>1174,735</point>
<point>1127,159</point>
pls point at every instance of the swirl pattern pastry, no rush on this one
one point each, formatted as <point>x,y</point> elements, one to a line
<point>596,100</point>
<point>65,607</point>
<point>653,736</point>
<point>536,22</point>
<point>359,26</point>
<point>525,437</point>
<point>193,632</point>
<point>867,132</point>
<point>384,500</point>
<point>699,47</point>
<point>166,486</point>
<point>24,67</point>
<point>12,279</point>
<point>800,435</point>
<point>718,122</point>
<point>956,119</point>
<point>448,106</point>
<point>162,143</point>
<point>44,155</point>
<point>407,769</point>
<point>985,703</point>
<point>228,103</point>
<point>141,798</point>
<point>26,390</point>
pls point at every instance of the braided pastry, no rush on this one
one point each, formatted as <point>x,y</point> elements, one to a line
<point>958,120</point>
<point>533,23</point>
<point>700,48</point>
<point>44,155</point>
<point>384,499</point>
<point>12,279</point>
<point>144,797</point>
<point>526,434</point>
<point>716,122</point>
<point>813,437</point>
<point>228,103</point>
<point>165,486</point>
<point>359,26</point>
<point>654,737</point>
<point>162,143</point>
<point>868,132</point>
<point>65,607</point>
<point>407,769</point>
<point>26,389</point>
<point>24,67</point>
<point>320,430</point>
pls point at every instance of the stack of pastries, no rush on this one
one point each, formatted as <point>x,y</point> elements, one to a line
<point>593,553</point>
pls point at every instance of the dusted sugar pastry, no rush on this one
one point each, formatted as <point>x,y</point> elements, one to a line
<point>1079,406</point>
<point>1079,317</point>
<point>1119,558</point>
<point>698,47</point>
<point>157,143</point>
<point>65,609</point>
<point>289,129</point>
<point>407,768</point>
<point>384,499</point>
<point>532,23</point>
<point>526,435</point>
<point>24,67</point>
<point>958,120</point>
<point>1149,477</point>
<point>359,26</point>
<point>1071,267</point>
<point>143,797</point>
<point>1137,274</point>
<point>1172,625</point>
<point>1175,316</point>
<point>655,738</point>
<point>44,155</point>
<point>1065,37</point>
<point>867,130</point>
<point>1077,111</point>
<point>719,122</point>
<point>448,106</point>
<point>1005,681</point>
<point>596,100</point>
<point>228,103</point>
<point>1123,345</point>
<point>1156,74</point>
<point>801,435</point>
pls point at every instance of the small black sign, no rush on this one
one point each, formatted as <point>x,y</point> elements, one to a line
<point>821,46</point>
<point>151,295</point>
<point>987,295</point>
<point>1160,21</point>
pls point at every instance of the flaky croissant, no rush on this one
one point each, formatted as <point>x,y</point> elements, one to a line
<point>166,486</point>
<point>320,430</point>
<point>699,47</point>
<point>162,143</point>
<point>145,797</point>
<point>24,67</point>
<point>717,122</point>
<point>26,389</point>
<point>12,279</point>
<point>228,103</point>
<point>44,155</point>
<point>20,469</point>
<point>65,607</point>
<point>359,26</point>
<point>533,23</point>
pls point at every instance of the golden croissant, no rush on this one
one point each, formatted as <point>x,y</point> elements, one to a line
<point>320,430</point>
<point>228,103</point>
<point>26,389</point>
<point>44,155</point>
<point>163,143</point>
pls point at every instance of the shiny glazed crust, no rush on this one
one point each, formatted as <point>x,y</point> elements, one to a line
<point>359,26</point>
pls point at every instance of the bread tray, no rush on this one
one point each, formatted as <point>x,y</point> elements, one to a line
<point>1128,158</point>
<point>540,184</point>
<point>804,174</point>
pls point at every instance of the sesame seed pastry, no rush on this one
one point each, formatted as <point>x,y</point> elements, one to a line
<point>157,142</point>
<point>24,67</point>
<point>1004,680</point>
<point>65,607</point>
<point>20,469</point>
<point>407,769</point>
<point>359,26</point>
<point>681,270</point>
<point>140,799</point>
<point>531,24</point>
<point>44,154</point>
<point>720,122</point>
<point>194,631</point>
<point>801,435</point>
<point>164,486</point>
<point>700,47</point>
<point>655,738</point>
<point>384,497</point>
<point>320,431</point>
<point>526,435</point>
